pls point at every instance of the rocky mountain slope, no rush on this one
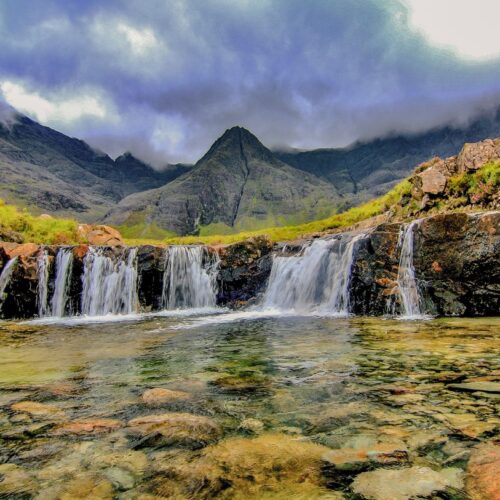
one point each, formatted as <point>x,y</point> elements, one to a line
<point>49,171</point>
<point>369,169</point>
<point>238,184</point>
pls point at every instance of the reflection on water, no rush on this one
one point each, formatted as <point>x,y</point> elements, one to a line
<point>253,403</point>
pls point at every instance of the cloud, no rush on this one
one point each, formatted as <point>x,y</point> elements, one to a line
<point>62,111</point>
<point>164,78</point>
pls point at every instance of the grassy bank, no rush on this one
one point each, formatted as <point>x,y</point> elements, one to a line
<point>20,224</point>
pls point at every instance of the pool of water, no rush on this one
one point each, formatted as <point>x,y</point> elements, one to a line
<point>254,404</point>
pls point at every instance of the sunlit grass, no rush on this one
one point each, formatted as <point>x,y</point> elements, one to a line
<point>37,229</point>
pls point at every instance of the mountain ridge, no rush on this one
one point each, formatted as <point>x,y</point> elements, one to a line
<point>237,183</point>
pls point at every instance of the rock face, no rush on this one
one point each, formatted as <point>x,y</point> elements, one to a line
<point>456,263</point>
<point>456,260</point>
<point>237,184</point>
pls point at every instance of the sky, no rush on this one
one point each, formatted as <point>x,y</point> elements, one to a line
<point>164,78</point>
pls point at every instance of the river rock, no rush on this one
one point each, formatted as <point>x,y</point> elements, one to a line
<point>36,409</point>
<point>87,485</point>
<point>483,473</point>
<point>347,460</point>
<point>88,426</point>
<point>403,484</point>
<point>159,396</point>
<point>493,387</point>
<point>251,425</point>
<point>174,429</point>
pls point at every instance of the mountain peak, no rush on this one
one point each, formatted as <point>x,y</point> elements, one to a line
<point>236,142</point>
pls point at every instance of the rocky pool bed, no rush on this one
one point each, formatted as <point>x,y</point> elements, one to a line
<point>235,406</point>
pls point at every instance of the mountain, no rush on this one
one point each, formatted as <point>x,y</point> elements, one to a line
<point>48,171</point>
<point>238,185</point>
<point>365,170</point>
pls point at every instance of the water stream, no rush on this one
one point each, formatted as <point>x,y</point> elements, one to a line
<point>409,293</point>
<point>109,282</point>
<point>5,277</point>
<point>43,264</point>
<point>64,264</point>
<point>314,281</point>
<point>189,280</point>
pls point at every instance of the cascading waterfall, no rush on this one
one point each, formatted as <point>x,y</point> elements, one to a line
<point>42,264</point>
<point>407,283</point>
<point>109,284</point>
<point>189,280</point>
<point>316,281</point>
<point>5,277</point>
<point>64,264</point>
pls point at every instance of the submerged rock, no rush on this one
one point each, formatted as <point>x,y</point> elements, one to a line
<point>493,387</point>
<point>16,482</point>
<point>174,429</point>
<point>88,426</point>
<point>347,460</point>
<point>36,409</point>
<point>403,484</point>
<point>483,473</point>
<point>159,396</point>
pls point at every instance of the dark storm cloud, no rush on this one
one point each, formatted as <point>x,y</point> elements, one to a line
<point>169,76</point>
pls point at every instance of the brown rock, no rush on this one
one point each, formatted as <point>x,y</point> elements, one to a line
<point>100,235</point>
<point>483,473</point>
<point>158,396</point>
<point>24,250</point>
<point>182,429</point>
<point>80,251</point>
<point>475,155</point>
<point>37,409</point>
<point>351,460</point>
<point>90,426</point>
<point>436,267</point>
<point>433,181</point>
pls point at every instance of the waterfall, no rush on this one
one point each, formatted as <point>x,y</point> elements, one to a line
<point>109,283</point>
<point>5,277</point>
<point>189,280</point>
<point>315,281</point>
<point>64,264</point>
<point>407,282</point>
<point>42,266</point>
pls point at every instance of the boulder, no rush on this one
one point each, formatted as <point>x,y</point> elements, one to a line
<point>432,181</point>
<point>483,473</point>
<point>99,235</point>
<point>473,156</point>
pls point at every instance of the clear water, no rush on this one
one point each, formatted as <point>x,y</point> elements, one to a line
<point>64,263</point>
<point>265,379</point>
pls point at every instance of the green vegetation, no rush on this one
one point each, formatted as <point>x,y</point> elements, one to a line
<point>477,186</point>
<point>42,229</point>
<point>144,231</point>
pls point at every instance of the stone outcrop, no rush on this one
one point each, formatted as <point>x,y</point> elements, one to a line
<point>99,235</point>
<point>431,181</point>
<point>456,260</point>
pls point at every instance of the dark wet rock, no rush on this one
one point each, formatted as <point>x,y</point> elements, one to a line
<point>173,429</point>
<point>404,484</point>
<point>456,260</point>
<point>244,270</point>
<point>483,473</point>
<point>150,268</point>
